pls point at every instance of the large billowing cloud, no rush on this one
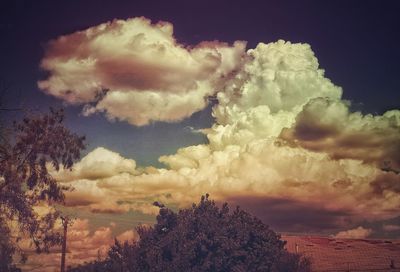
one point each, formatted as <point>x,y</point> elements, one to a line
<point>136,71</point>
<point>282,131</point>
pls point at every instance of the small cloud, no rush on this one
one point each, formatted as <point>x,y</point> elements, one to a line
<point>390,227</point>
<point>99,163</point>
<point>194,130</point>
<point>128,236</point>
<point>357,233</point>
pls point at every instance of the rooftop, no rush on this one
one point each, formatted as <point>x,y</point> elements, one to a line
<point>332,254</point>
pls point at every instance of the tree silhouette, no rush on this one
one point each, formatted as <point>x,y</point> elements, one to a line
<point>202,238</point>
<point>33,144</point>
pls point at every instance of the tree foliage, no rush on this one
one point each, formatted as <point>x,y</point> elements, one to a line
<point>25,182</point>
<point>7,249</point>
<point>202,238</point>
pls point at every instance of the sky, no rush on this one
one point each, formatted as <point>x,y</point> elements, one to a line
<point>289,109</point>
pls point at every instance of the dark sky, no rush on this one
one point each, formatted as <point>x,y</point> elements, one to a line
<point>356,42</point>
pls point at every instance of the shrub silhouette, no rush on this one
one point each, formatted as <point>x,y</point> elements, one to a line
<point>202,238</point>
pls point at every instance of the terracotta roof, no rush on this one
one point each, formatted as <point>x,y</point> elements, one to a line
<point>331,254</point>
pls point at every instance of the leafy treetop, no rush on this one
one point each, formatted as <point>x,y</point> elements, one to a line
<point>25,182</point>
<point>203,237</point>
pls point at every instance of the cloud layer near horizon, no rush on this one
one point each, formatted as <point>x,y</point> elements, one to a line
<point>282,131</point>
<point>136,71</point>
<point>83,245</point>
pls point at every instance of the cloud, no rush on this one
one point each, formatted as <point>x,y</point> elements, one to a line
<point>148,75</point>
<point>86,244</point>
<point>390,227</point>
<point>83,245</point>
<point>386,182</point>
<point>263,170</point>
<point>128,236</point>
<point>292,216</point>
<point>274,84</point>
<point>282,131</point>
<point>357,233</point>
<point>113,195</point>
<point>99,163</point>
<point>326,125</point>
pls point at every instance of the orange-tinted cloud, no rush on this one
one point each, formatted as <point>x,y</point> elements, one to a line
<point>83,245</point>
<point>357,233</point>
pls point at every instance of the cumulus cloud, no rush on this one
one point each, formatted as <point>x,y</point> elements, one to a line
<point>128,236</point>
<point>110,195</point>
<point>277,80</point>
<point>300,178</point>
<point>386,182</point>
<point>84,244</point>
<point>97,182</point>
<point>357,233</point>
<point>136,71</point>
<point>282,131</point>
<point>327,125</point>
<point>100,163</point>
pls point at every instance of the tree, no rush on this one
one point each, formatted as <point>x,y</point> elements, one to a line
<point>202,238</point>
<point>25,183</point>
<point>6,250</point>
